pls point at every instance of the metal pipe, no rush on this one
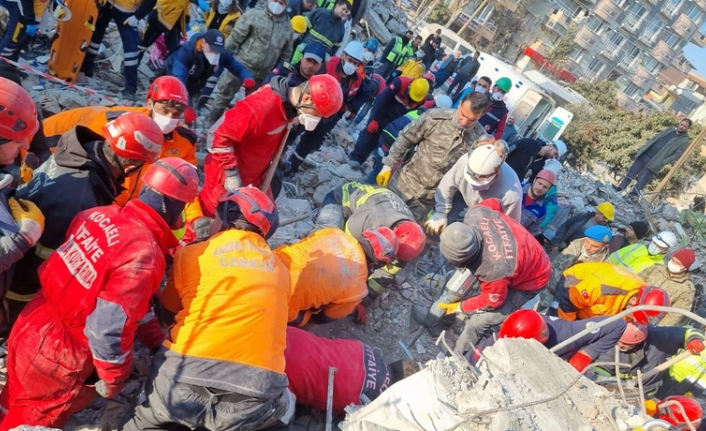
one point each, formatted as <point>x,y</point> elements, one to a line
<point>329,400</point>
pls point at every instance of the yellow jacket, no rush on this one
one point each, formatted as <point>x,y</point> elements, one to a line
<point>598,289</point>
<point>226,26</point>
<point>328,274</point>
<point>412,68</point>
<point>169,12</point>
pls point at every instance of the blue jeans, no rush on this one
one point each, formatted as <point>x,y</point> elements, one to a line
<point>16,38</point>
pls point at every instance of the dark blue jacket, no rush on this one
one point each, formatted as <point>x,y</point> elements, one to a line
<point>493,117</point>
<point>325,28</point>
<point>294,8</point>
<point>523,153</point>
<point>198,75</point>
<point>392,130</point>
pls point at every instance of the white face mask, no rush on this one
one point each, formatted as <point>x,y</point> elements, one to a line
<point>653,249</point>
<point>223,6</point>
<point>212,58</point>
<point>166,124</point>
<point>675,268</point>
<point>480,90</point>
<point>368,56</point>
<point>275,7</point>
<point>309,121</point>
<point>497,96</point>
<point>349,68</point>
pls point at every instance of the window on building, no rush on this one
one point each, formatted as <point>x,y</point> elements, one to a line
<point>631,90</point>
<point>653,66</point>
<point>636,15</point>
<point>651,32</point>
<point>694,13</point>
<point>619,2</point>
<point>671,7</point>
<point>595,65</point>
<point>594,24</point>
<point>484,14</point>
<point>576,55</point>
<point>616,38</point>
<point>672,40</point>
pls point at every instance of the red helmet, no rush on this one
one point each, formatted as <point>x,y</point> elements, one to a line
<point>381,81</point>
<point>525,323</point>
<point>380,244</point>
<point>168,88</point>
<point>669,410</point>
<point>411,238</point>
<point>634,334</point>
<point>173,177</point>
<point>18,113</point>
<point>255,206</point>
<point>429,77</point>
<point>651,295</point>
<point>326,93</point>
<point>134,136</point>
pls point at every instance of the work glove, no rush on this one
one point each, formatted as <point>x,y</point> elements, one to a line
<point>31,29</point>
<point>436,224</point>
<point>131,21</point>
<point>29,218</point>
<point>451,307</point>
<point>580,361</point>
<point>29,164</point>
<point>190,116</point>
<point>384,176</point>
<point>248,83</point>
<point>204,6</point>
<point>109,390</point>
<point>233,180</point>
<point>695,343</point>
<point>360,314</point>
<point>372,127</point>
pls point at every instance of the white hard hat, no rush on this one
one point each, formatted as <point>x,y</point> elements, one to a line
<point>443,101</point>
<point>665,239</point>
<point>354,49</point>
<point>553,165</point>
<point>560,147</point>
<point>484,162</point>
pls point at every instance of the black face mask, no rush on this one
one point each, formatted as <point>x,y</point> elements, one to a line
<point>170,209</point>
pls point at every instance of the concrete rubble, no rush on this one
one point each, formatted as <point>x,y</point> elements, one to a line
<point>385,20</point>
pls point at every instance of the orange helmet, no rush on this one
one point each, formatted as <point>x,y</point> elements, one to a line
<point>525,323</point>
<point>134,136</point>
<point>668,410</point>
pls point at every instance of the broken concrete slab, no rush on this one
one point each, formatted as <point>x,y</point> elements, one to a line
<point>377,27</point>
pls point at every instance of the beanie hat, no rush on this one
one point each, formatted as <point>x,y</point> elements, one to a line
<point>640,228</point>
<point>599,233</point>
<point>460,243</point>
<point>686,256</point>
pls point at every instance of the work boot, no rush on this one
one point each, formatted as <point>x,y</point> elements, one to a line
<point>433,324</point>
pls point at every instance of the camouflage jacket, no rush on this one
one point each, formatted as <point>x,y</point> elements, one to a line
<point>680,289</point>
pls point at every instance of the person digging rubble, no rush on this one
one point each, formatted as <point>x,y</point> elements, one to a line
<point>87,170</point>
<point>358,208</point>
<point>481,174</point>
<point>327,26</point>
<point>539,202</point>
<point>112,262</point>
<point>573,228</point>
<point>595,289</point>
<point>329,270</point>
<point>398,98</point>
<point>247,137</point>
<point>632,234</point>
<point>551,331</point>
<point>22,24</point>
<point>674,279</point>
<point>360,368</point>
<point>495,118</point>
<point>638,257</point>
<point>345,70</point>
<point>198,64</point>
<point>442,137</point>
<point>643,347</point>
<point>310,65</point>
<point>260,39</point>
<point>529,155</point>
<point>234,291</point>
<point>510,265</point>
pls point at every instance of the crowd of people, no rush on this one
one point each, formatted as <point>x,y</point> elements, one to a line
<point>100,205</point>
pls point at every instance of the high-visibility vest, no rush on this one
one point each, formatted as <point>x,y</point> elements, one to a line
<point>399,53</point>
<point>326,4</point>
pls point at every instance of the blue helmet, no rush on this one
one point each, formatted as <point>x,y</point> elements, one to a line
<point>372,44</point>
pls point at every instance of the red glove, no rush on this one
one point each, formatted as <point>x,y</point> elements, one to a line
<point>695,345</point>
<point>190,116</point>
<point>359,314</point>
<point>248,83</point>
<point>580,361</point>
<point>372,127</point>
<point>109,390</point>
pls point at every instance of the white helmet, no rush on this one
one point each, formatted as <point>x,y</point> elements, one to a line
<point>484,163</point>
<point>665,239</point>
<point>553,165</point>
<point>355,50</point>
<point>443,101</point>
<point>560,147</point>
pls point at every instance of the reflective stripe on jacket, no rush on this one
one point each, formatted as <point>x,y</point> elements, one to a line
<point>399,52</point>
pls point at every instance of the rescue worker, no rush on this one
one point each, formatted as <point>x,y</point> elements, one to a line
<point>644,347</point>
<point>638,257</point>
<point>300,7</point>
<point>551,331</point>
<point>632,234</point>
<point>112,262</point>
<point>23,19</point>
<point>247,137</point>
<point>261,38</point>
<point>86,171</point>
<point>22,221</point>
<point>325,26</point>
<point>299,28</point>
<point>310,65</point>
<point>538,200</point>
<point>574,227</point>
<point>371,48</point>
<point>687,376</point>
<point>397,51</point>
<point>360,366</point>
<point>328,271</point>
<point>401,96</point>
<point>345,70</point>
<point>529,155</point>
<point>595,289</point>
<point>478,175</point>
<point>674,279</point>
<point>446,69</point>
<point>235,283</point>
<point>198,64</point>
<point>495,117</point>
<point>223,16</point>
<point>164,18</point>
<point>441,136</point>
<point>509,276</point>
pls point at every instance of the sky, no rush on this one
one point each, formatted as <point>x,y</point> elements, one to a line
<point>697,57</point>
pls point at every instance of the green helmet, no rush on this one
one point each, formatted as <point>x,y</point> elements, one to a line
<point>504,84</point>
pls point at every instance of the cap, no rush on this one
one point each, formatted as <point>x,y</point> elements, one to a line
<point>460,243</point>
<point>686,256</point>
<point>599,233</point>
<point>640,228</point>
<point>315,51</point>
<point>215,40</point>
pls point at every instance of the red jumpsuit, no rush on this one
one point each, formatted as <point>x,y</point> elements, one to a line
<point>95,289</point>
<point>247,139</point>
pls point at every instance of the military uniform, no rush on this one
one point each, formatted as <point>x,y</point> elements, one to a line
<point>679,287</point>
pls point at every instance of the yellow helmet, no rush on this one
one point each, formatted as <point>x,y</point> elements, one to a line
<point>418,89</point>
<point>607,209</point>
<point>299,24</point>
